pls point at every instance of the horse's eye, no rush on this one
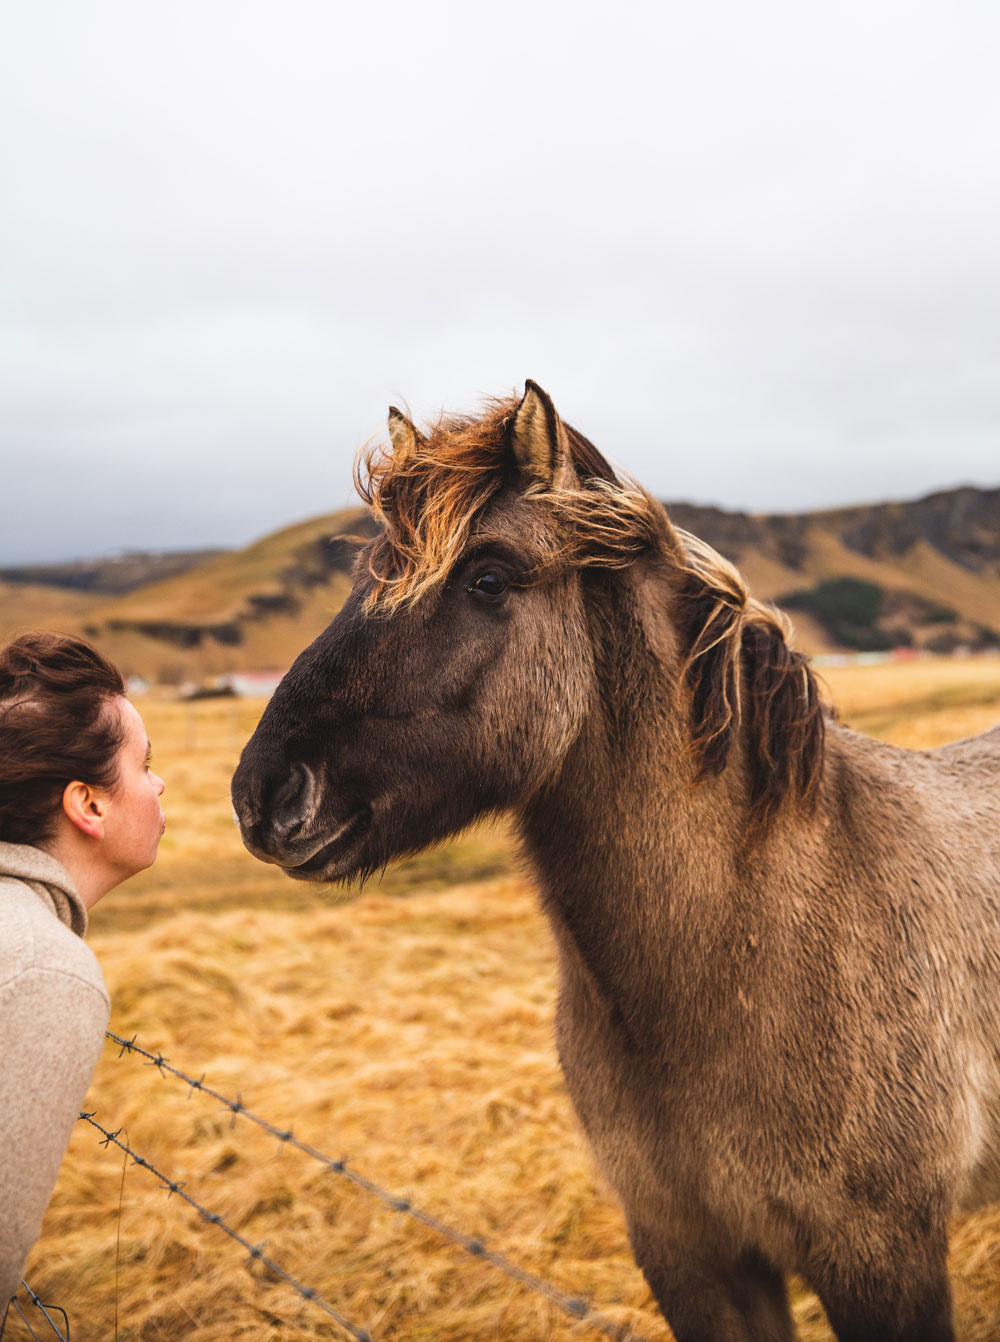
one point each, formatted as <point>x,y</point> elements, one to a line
<point>489,584</point>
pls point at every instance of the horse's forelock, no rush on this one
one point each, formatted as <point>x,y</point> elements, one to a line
<point>430,498</point>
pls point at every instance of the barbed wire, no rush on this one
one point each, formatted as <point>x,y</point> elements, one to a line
<point>255,1251</point>
<point>36,1301</point>
<point>576,1307</point>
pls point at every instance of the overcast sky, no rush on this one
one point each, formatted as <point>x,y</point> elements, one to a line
<point>750,249</point>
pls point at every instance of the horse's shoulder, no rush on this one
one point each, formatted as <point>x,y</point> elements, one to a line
<point>973,755</point>
<point>976,754</point>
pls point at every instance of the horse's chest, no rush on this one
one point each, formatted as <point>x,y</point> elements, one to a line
<point>632,1110</point>
<point>675,1159</point>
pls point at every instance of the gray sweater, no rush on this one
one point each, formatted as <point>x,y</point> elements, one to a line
<point>54,1010</point>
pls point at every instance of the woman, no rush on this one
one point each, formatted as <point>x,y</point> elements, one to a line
<point>79,813</point>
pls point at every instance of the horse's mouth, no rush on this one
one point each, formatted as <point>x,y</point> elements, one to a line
<point>347,834</point>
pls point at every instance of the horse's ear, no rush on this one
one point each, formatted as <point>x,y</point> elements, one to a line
<point>404,437</point>
<point>538,439</point>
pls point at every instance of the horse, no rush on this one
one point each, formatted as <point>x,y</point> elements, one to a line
<point>778,940</point>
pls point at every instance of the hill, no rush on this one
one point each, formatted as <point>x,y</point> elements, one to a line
<point>243,609</point>
<point>921,574</point>
<point>26,605</point>
<point>112,573</point>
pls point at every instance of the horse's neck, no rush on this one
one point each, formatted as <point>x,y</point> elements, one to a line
<point>624,817</point>
<point>646,872</point>
<point>636,865</point>
<point>647,876</point>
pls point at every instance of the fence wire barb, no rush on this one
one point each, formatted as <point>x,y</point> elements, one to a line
<point>37,1302</point>
<point>574,1306</point>
<point>256,1251</point>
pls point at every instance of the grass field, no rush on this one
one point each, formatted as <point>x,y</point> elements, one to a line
<point>407,1029</point>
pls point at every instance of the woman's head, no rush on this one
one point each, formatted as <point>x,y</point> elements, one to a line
<point>73,754</point>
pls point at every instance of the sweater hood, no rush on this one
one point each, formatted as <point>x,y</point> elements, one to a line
<point>49,880</point>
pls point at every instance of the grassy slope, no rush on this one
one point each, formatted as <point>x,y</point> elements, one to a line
<point>32,606</point>
<point>218,589</point>
<point>214,592</point>
<point>923,570</point>
<point>409,1030</point>
<point>271,643</point>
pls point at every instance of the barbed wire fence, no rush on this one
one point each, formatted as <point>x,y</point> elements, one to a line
<point>256,1251</point>
<point>53,1329</point>
<point>15,1304</point>
<point>576,1307</point>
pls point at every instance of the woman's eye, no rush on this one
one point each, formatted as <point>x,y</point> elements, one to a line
<point>489,584</point>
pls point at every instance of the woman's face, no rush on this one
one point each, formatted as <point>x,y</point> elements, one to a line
<point>134,820</point>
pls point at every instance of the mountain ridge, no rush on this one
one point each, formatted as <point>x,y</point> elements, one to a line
<point>923,573</point>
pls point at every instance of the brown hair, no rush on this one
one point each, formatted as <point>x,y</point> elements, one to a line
<point>54,727</point>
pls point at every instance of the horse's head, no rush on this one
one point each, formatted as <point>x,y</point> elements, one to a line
<point>502,607</point>
<point>461,667</point>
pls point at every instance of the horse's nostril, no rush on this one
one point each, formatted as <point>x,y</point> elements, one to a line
<point>292,804</point>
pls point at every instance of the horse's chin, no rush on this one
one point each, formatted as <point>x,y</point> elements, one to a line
<point>340,857</point>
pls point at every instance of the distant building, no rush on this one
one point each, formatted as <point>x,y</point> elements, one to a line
<point>251,684</point>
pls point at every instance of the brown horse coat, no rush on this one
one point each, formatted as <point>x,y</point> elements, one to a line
<point>779,941</point>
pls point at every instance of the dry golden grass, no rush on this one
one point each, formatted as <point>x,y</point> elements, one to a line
<point>918,704</point>
<point>32,606</point>
<point>408,1030</point>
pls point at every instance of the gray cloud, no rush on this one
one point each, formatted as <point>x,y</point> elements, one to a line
<point>749,250</point>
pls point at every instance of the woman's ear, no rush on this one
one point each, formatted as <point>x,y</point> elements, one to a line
<point>84,807</point>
